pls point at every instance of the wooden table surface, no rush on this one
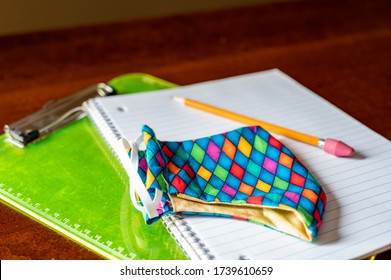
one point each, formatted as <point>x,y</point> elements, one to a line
<point>339,49</point>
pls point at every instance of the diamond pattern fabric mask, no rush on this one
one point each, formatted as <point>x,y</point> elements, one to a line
<point>245,173</point>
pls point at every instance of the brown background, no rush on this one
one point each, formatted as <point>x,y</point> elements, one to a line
<point>339,49</point>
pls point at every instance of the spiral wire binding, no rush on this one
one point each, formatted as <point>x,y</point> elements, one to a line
<point>186,237</point>
<point>101,120</point>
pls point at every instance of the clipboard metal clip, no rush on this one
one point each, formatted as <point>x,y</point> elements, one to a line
<point>53,115</point>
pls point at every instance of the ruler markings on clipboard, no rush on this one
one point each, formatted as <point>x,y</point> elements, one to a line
<point>38,211</point>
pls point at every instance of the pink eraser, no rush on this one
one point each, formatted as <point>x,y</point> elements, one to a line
<point>338,148</point>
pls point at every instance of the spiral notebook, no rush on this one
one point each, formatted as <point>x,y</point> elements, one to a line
<point>357,222</point>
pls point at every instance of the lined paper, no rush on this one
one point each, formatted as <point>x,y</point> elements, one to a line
<point>358,214</point>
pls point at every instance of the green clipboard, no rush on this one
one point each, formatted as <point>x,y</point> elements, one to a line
<point>72,183</point>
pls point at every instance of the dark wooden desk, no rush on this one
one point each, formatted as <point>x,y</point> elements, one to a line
<point>339,49</point>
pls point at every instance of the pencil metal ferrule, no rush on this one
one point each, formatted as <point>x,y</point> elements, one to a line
<point>321,143</point>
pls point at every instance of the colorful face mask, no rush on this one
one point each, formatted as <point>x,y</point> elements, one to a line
<point>245,173</point>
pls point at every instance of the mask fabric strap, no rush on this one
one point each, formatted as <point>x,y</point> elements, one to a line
<point>137,186</point>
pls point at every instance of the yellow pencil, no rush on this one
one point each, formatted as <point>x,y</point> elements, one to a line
<point>331,146</point>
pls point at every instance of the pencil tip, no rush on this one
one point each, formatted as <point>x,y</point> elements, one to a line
<point>178,99</point>
<point>338,148</point>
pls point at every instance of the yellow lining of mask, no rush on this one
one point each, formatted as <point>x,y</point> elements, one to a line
<point>282,218</point>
